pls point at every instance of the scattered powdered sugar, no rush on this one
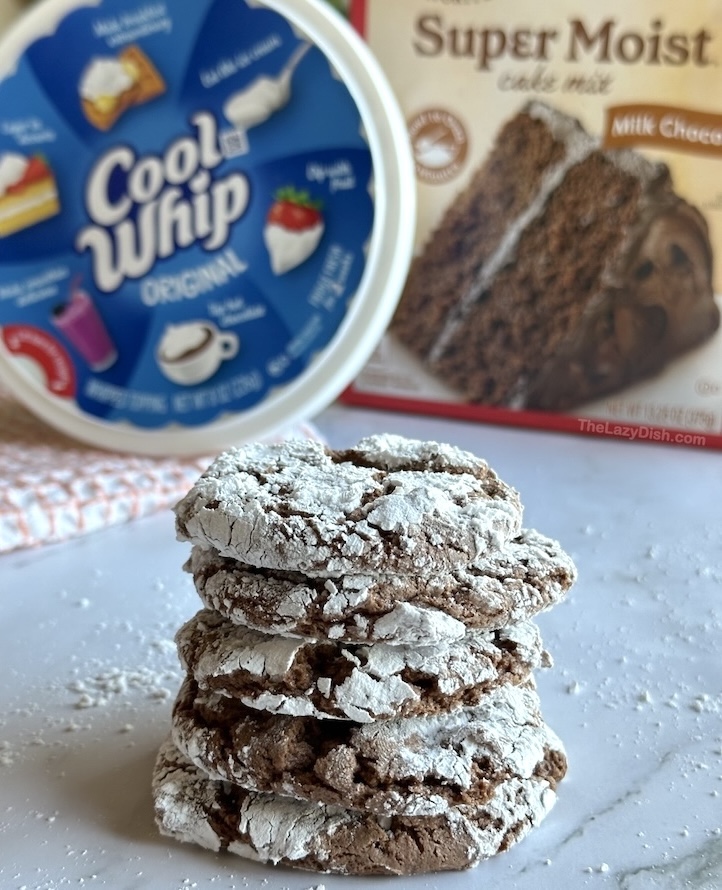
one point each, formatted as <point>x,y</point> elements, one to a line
<point>97,693</point>
<point>602,869</point>
<point>98,690</point>
<point>7,755</point>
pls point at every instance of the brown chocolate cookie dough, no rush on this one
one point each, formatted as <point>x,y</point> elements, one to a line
<point>391,504</point>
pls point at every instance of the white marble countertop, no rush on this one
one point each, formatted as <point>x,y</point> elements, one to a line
<point>89,673</point>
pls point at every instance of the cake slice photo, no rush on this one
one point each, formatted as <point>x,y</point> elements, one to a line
<point>563,272</point>
<point>28,192</point>
<point>111,85</point>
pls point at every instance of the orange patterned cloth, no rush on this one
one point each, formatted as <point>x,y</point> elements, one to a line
<point>53,487</point>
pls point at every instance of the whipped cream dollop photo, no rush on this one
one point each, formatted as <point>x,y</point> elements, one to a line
<point>12,170</point>
<point>181,340</point>
<point>287,248</point>
<point>256,103</point>
<point>105,76</point>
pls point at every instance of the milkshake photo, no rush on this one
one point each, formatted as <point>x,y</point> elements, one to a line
<point>80,323</point>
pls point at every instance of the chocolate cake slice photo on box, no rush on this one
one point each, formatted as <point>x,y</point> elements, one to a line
<point>563,272</point>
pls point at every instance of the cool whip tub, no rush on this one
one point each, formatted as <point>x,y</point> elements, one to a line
<point>206,216</point>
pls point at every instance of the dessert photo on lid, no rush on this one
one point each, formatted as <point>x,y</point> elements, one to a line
<point>258,101</point>
<point>294,228</point>
<point>28,192</point>
<point>110,85</point>
<point>562,273</point>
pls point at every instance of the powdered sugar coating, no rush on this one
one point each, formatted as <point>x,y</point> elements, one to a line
<point>416,766</point>
<point>360,695</point>
<point>529,574</point>
<point>391,504</point>
<point>191,807</point>
<point>344,681</point>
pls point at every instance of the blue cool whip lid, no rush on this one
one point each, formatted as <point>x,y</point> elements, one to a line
<point>206,216</point>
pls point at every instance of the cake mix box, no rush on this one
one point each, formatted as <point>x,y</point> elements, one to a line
<point>568,260</point>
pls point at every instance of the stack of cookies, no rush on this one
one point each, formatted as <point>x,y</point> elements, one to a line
<point>359,694</point>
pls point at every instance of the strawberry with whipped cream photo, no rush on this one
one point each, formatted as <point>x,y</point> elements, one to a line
<point>294,227</point>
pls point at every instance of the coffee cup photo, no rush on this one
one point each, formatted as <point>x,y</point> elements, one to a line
<point>192,352</point>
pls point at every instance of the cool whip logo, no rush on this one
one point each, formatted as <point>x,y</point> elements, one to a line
<point>144,209</point>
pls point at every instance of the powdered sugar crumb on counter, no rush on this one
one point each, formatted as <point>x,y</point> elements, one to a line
<point>6,754</point>
<point>81,728</point>
<point>601,869</point>
<point>90,693</point>
<point>99,689</point>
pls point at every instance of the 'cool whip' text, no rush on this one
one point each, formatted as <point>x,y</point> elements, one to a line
<point>145,208</point>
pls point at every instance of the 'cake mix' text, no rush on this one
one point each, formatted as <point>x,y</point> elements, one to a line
<point>605,42</point>
<point>165,203</point>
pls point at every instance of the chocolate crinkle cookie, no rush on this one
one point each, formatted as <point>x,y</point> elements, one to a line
<point>528,575</point>
<point>322,678</point>
<point>360,691</point>
<point>418,766</point>
<point>388,505</point>
<point>282,830</point>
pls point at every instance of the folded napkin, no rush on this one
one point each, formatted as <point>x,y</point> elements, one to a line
<point>53,487</point>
